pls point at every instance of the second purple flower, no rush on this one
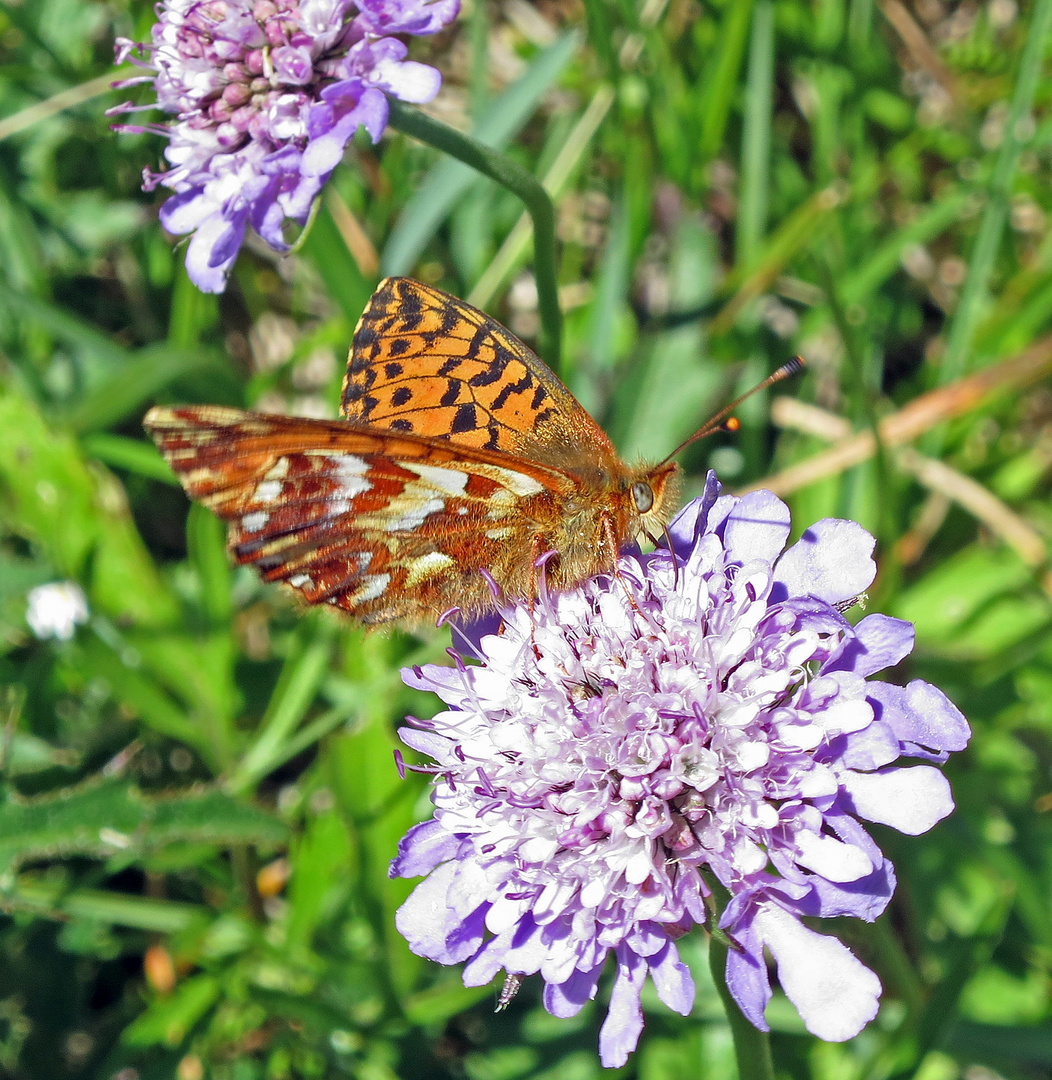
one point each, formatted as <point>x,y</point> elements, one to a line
<point>266,95</point>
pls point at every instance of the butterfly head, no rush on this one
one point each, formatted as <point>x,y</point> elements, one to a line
<point>654,491</point>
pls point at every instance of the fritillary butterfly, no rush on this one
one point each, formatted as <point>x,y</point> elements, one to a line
<point>459,452</point>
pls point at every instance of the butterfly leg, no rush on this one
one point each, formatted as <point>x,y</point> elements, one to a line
<point>611,539</point>
<point>537,550</point>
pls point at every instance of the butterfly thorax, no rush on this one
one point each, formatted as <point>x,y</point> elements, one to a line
<point>590,526</point>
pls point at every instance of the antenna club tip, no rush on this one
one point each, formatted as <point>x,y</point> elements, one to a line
<point>793,366</point>
<point>731,424</point>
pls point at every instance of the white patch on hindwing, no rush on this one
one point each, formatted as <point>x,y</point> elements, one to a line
<point>373,586</point>
<point>267,491</point>
<point>427,566</point>
<point>270,487</point>
<point>411,511</point>
<point>451,481</point>
<point>349,470</point>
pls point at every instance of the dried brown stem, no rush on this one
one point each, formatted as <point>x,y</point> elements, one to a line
<point>938,477</point>
<point>919,416</point>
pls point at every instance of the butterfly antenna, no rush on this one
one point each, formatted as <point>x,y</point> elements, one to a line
<point>720,422</point>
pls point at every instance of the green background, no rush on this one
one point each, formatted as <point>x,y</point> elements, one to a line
<point>199,797</point>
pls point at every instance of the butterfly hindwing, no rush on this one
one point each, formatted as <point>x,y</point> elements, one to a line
<point>425,362</point>
<point>381,524</point>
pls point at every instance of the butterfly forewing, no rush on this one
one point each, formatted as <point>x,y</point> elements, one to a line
<point>385,525</point>
<point>424,362</point>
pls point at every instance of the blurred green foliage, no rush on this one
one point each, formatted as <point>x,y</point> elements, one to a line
<point>199,800</point>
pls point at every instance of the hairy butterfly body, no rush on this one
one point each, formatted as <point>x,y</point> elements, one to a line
<point>459,452</point>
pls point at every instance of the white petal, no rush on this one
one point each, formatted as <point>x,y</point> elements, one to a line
<point>910,800</point>
<point>835,993</point>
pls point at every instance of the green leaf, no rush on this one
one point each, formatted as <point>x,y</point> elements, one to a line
<point>53,898</point>
<point>206,540</point>
<point>133,455</point>
<point>102,818</point>
<point>169,1020</point>
<point>134,383</point>
<point>78,516</point>
<point>346,284</point>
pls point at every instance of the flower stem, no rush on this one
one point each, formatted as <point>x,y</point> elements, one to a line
<point>751,1046</point>
<point>496,166</point>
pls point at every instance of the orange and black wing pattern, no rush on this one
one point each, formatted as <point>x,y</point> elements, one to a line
<point>426,363</point>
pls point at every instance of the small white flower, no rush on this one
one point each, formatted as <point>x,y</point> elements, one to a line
<point>56,609</point>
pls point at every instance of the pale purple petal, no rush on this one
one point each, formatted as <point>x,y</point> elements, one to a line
<point>567,998</point>
<point>423,848</point>
<point>672,980</point>
<point>863,899</point>
<point>624,1021</point>
<point>757,528</point>
<point>425,920</point>
<point>921,714</point>
<point>407,80</point>
<point>746,972</point>
<point>831,561</point>
<point>212,250</point>
<point>833,859</point>
<point>688,525</point>
<point>869,749</point>
<point>407,16</point>
<point>879,642</point>
<point>184,212</point>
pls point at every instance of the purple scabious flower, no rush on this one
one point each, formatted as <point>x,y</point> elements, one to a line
<point>703,716</point>
<point>266,95</point>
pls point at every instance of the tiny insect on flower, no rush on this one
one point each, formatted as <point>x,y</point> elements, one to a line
<point>703,714</point>
<point>267,94</point>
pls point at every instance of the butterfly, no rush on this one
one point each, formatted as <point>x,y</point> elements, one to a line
<point>460,456</point>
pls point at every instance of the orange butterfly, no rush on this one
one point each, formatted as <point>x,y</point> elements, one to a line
<point>459,451</point>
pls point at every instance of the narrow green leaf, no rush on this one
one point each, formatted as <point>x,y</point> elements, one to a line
<point>756,136</point>
<point>210,816</point>
<point>300,679</point>
<point>54,899</point>
<point>346,284</point>
<point>719,90</point>
<point>133,455</point>
<point>192,312</point>
<point>206,541</point>
<point>168,1020</point>
<point>134,383</point>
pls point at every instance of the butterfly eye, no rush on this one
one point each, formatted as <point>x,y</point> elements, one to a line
<point>643,495</point>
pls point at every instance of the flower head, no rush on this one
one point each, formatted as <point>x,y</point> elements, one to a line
<point>56,610</point>
<point>705,715</point>
<point>266,95</point>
